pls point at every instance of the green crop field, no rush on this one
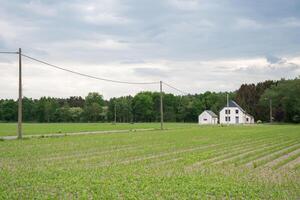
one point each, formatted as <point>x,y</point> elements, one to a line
<point>190,162</point>
<point>9,129</point>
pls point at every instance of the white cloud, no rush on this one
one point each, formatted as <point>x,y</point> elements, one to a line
<point>294,59</point>
<point>244,23</point>
<point>227,74</point>
<point>105,18</point>
<point>105,12</point>
<point>190,76</point>
<point>185,4</point>
<point>291,22</point>
<point>8,31</point>
<point>11,32</point>
<point>250,24</point>
<point>95,44</point>
<point>41,9</point>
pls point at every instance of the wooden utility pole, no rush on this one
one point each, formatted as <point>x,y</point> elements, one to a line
<point>20,96</point>
<point>115,114</point>
<point>227,109</point>
<point>271,118</point>
<point>227,100</point>
<point>161,108</point>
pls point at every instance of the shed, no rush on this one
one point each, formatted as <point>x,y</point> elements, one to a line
<point>208,117</point>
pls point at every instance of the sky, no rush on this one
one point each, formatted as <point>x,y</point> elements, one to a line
<point>194,45</point>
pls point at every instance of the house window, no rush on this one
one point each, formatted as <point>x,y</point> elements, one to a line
<point>227,119</point>
<point>236,111</point>
<point>227,111</point>
<point>247,119</point>
<point>204,119</point>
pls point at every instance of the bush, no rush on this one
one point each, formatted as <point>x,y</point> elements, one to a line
<point>296,118</point>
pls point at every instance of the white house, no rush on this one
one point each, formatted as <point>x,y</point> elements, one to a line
<point>208,117</point>
<point>234,114</point>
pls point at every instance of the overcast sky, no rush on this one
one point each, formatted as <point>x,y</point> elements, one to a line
<point>195,45</point>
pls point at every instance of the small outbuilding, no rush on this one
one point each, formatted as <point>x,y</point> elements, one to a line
<point>208,117</point>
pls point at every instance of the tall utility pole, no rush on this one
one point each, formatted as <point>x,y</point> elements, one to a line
<point>20,96</point>
<point>227,100</point>
<point>115,114</point>
<point>227,109</point>
<point>271,118</point>
<point>161,107</point>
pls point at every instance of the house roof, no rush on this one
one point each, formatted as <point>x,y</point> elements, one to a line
<point>249,115</point>
<point>211,113</point>
<point>232,103</point>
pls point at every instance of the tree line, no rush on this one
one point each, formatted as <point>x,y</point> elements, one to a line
<point>145,106</point>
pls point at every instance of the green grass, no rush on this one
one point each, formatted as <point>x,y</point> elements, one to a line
<point>152,164</point>
<point>9,129</point>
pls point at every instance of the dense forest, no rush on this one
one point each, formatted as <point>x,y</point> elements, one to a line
<point>144,106</point>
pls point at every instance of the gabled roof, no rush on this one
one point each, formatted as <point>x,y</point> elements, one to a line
<point>249,115</point>
<point>211,113</point>
<point>232,103</point>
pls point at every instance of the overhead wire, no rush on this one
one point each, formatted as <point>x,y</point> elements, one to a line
<point>94,77</point>
<point>174,88</point>
<point>87,75</point>
<point>9,52</point>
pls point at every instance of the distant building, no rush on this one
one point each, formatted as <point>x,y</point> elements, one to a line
<point>208,117</point>
<point>234,114</point>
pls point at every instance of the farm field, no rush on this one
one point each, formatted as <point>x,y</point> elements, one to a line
<point>191,162</point>
<point>10,129</point>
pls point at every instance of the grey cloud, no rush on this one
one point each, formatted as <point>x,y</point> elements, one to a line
<point>132,33</point>
<point>150,72</point>
<point>173,33</point>
<point>132,62</point>
<point>273,59</point>
<point>272,71</point>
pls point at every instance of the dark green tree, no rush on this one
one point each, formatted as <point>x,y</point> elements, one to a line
<point>142,105</point>
<point>9,110</point>
<point>93,107</point>
<point>285,97</point>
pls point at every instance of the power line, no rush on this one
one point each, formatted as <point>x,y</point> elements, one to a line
<point>9,52</point>
<point>93,77</point>
<point>81,74</point>
<point>89,76</point>
<point>174,88</point>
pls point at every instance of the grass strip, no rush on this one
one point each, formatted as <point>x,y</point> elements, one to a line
<point>262,152</point>
<point>275,156</point>
<point>286,161</point>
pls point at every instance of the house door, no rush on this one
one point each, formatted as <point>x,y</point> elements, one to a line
<point>236,120</point>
